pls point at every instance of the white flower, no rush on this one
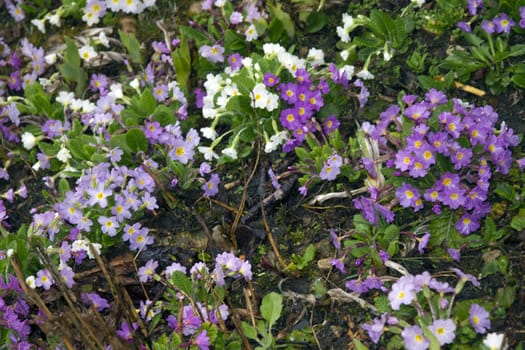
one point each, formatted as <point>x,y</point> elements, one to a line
<point>10,252</point>
<point>260,96</point>
<point>230,152</point>
<point>348,20</point>
<point>208,153</point>
<point>220,3</point>
<point>135,84</point>
<point>251,33</point>
<point>31,282</point>
<point>36,166</point>
<point>343,34</point>
<point>87,52</point>
<point>273,102</point>
<point>365,74</point>
<point>51,58</point>
<point>275,141</point>
<point>247,62</point>
<point>115,91</point>
<point>28,140</point>
<point>63,155</point>
<point>494,341</point>
<point>40,24</point>
<point>65,98</point>
<point>209,133</point>
<point>418,3</point>
<point>103,39</point>
<point>315,56</point>
<point>271,49</point>
<point>209,112</point>
<point>54,19</point>
<point>344,54</point>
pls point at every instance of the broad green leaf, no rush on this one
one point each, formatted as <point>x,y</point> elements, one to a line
<point>163,115</point>
<point>284,19</point>
<point>181,281</point>
<point>132,45</point>
<point>316,21</point>
<point>271,307</point>
<point>443,230</point>
<point>63,187</point>
<point>249,331</point>
<point>136,140</point>
<point>518,221</point>
<point>70,69</point>
<point>182,62</point>
<point>358,345</point>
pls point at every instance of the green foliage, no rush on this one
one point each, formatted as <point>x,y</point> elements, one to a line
<point>271,308</point>
<point>132,46</point>
<point>71,69</point>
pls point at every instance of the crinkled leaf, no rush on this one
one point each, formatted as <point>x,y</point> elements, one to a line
<point>181,281</point>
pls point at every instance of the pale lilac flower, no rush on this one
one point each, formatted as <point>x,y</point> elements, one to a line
<point>96,300</point>
<point>202,340</point>
<point>147,271</point>
<point>376,329</point>
<point>444,330</point>
<point>403,292</point>
<point>175,267</point>
<point>213,53</point>
<point>211,187</point>
<point>414,339</point>
<point>273,178</point>
<point>44,279</point>
<point>479,318</point>
<point>67,275</point>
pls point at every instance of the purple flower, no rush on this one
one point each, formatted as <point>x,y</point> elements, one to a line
<point>99,82</point>
<point>204,168</point>
<point>211,187</point>
<point>408,196</point>
<point>335,240</point>
<point>270,79</point>
<point>455,254</point>
<point>67,275</point>
<point>423,242</point>
<point>467,224</point>
<point>108,225</point>
<point>402,292</point>
<point>376,329</point>
<point>289,92</point>
<point>182,151</point>
<point>235,61</point>
<point>236,17</point>
<point>444,330</point>
<point>175,267</point>
<point>330,124</point>
<point>417,112</point>
<point>466,277</point>
<point>213,53</point>
<point>329,171</point>
<point>338,264</point>
<point>454,197</point>
<point>488,26</point>
<point>414,339</point>
<point>503,23</point>
<point>273,178</point>
<point>147,271</point>
<point>44,279</point>
<point>126,331</point>
<point>303,191</point>
<point>96,300</point>
<point>202,340</point>
<point>474,6</point>
<point>290,119</point>
<point>479,318</point>
<point>464,26</point>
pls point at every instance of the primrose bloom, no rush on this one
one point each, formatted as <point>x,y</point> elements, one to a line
<point>147,271</point>
<point>44,279</point>
<point>211,187</point>
<point>443,330</point>
<point>403,292</point>
<point>213,53</point>
<point>414,339</point>
<point>479,318</point>
<point>409,196</point>
<point>87,52</point>
<point>28,140</point>
<point>495,341</point>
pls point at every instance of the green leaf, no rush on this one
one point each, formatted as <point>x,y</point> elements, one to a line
<point>181,281</point>
<point>70,69</point>
<point>271,307</point>
<point>63,187</point>
<point>519,80</point>
<point>198,36</point>
<point>518,221</point>
<point>240,104</point>
<point>132,45</point>
<point>234,42</point>
<point>358,345</point>
<point>443,230</point>
<point>136,140</point>
<point>315,22</point>
<point>182,62</point>
<point>249,331</point>
<point>382,304</point>
<point>163,115</point>
<point>361,224</point>
<point>506,191</point>
<point>283,19</point>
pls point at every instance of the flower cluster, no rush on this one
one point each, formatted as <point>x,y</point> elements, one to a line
<point>452,142</point>
<point>433,301</point>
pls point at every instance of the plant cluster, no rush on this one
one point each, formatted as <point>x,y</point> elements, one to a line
<point>112,131</point>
